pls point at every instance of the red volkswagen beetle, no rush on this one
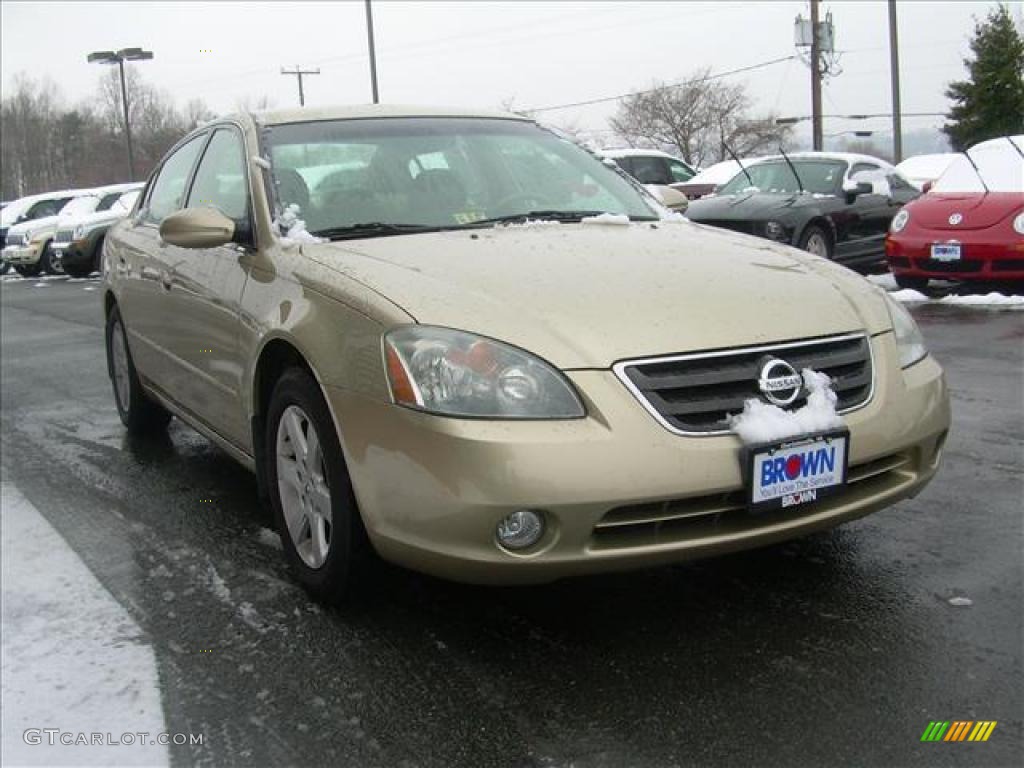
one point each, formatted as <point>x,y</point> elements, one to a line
<point>970,225</point>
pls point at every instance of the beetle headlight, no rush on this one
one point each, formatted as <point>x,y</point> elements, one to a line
<point>453,373</point>
<point>1018,223</point>
<point>909,341</point>
<point>899,221</point>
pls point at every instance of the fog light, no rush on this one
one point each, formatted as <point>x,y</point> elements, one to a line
<point>521,529</point>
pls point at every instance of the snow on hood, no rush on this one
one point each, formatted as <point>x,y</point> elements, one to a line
<point>762,422</point>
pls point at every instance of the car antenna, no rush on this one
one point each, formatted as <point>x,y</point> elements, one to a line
<point>792,168</point>
<point>740,163</point>
<point>1014,145</point>
<point>976,170</point>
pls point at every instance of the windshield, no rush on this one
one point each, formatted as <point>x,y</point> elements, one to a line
<point>107,201</point>
<point>438,173</point>
<point>86,204</point>
<point>1000,165</point>
<point>823,177</point>
<point>127,201</point>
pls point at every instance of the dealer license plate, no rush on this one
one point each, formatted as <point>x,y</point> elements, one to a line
<point>797,471</point>
<point>946,251</point>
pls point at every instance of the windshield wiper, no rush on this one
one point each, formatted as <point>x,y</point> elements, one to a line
<point>792,168</point>
<point>977,170</point>
<point>373,229</point>
<point>739,163</point>
<point>553,215</point>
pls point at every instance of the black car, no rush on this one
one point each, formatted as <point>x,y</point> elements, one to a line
<point>838,206</point>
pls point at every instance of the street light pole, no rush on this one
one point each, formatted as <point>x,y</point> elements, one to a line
<point>373,53</point>
<point>127,122</point>
<point>119,58</point>
<point>894,66</point>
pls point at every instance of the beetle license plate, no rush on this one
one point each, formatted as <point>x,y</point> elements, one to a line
<point>798,471</point>
<point>946,251</point>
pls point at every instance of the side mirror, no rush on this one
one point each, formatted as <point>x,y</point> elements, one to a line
<point>855,189</point>
<point>927,187</point>
<point>197,228</point>
<point>672,199</point>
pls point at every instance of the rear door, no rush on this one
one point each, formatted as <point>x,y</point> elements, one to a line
<point>869,215</point>
<point>137,260</point>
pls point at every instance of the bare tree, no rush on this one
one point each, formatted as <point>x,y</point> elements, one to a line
<point>696,118</point>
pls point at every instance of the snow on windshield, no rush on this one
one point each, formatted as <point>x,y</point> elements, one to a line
<point>1000,164</point>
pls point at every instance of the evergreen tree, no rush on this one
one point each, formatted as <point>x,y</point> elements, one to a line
<point>991,102</point>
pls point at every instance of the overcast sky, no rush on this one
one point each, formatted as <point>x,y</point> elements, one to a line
<point>483,53</point>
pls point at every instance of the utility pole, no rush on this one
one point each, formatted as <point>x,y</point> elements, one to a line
<point>373,52</point>
<point>816,128</point>
<point>894,66</point>
<point>299,73</point>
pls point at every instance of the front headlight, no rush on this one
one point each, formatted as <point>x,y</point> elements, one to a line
<point>899,221</point>
<point>453,373</point>
<point>775,230</point>
<point>909,341</point>
<point>1018,223</point>
<point>79,232</point>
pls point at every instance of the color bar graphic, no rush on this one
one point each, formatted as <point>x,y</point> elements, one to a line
<point>958,730</point>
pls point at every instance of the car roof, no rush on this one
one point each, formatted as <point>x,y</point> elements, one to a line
<point>122,188</point>
<point>634,152</point>
<point>849,157</point>
<point>364,111</point>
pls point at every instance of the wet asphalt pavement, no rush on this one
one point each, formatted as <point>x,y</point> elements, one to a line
<point>836,649</point>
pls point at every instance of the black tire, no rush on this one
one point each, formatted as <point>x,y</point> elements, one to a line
<point>809,237</point>
<point>912,283</point>
<point>27,270</point>
<point>4,267</point>
<point>140,414</point>
<point>49,264</point>
<point>348,550</point>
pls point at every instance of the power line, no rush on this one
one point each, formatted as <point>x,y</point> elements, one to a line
<point>679,84</point>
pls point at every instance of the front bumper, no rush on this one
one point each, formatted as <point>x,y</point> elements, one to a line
<point>618,490</point>
<point>23,254</point>
<point>77,253</point>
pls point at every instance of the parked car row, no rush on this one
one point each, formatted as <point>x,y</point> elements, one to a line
<point>860,211</point>
<point>62,232</point>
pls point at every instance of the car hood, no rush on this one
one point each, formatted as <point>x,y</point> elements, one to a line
<point>92,219</point>
<point>977,211</point>
<point>586,296</point>
<point>750,206</point>
<point>44,223</point>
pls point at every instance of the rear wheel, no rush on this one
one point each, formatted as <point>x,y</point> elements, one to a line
<point>4,267</point>
<point>912,283</point>
<point>138,411</point>
<point>77,271</point>
<point>817,241</point>
<point>310,490</point>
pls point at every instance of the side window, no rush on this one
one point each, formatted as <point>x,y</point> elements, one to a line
<point>898,182</point>
<point>220,181</point>
<point>865,169</point>
<point>679,172</point>
<point>650,170</point>
<point>168,191</point>
<point>108,201</point>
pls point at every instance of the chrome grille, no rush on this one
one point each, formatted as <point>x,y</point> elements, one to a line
<point>15,238</point>
<point>696,394</point>
<point>63,236</point>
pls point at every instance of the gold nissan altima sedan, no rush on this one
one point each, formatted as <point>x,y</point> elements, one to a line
<point>462,342</point>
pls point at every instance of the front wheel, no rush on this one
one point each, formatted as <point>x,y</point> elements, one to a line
<point>4,267</point>
<point>817,241</point>
<point>138,411</point>
<point>310,490</point>
<point>912,283</point>
<point>27,270</point>
<point>50,261</point>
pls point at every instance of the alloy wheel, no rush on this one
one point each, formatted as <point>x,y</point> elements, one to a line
<point>302,486</point>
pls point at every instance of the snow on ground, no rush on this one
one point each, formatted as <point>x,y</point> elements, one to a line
<point>72,658</point>
<point>762,422</point>
<point>909,296</point>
